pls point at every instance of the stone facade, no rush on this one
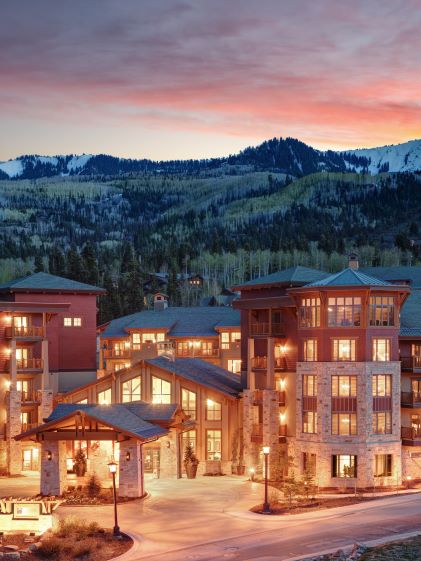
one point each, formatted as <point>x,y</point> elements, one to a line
<point>53,470</point>
<point>365,445</point>
<point>130,469</point>
<point>168,466</point>
<point>13,428</point>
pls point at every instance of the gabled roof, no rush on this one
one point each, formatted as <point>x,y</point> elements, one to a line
<point>46,282</point>
<point>127,418</point>
<point>179,322</point>
<point>393,274</point>
<point>410,311</point>
<point>349,277</point>
<point>291,276</point>
<point>410,332</point>
<point>201,372</point>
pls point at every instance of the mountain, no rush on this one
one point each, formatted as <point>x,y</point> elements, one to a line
<point>289,156</point>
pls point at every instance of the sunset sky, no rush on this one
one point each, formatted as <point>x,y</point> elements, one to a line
<point>185,79</point>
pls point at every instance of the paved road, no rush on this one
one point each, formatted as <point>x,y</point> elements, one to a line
<point>208,519</point>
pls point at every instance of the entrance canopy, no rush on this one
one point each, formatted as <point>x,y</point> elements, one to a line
<point>138,420</point>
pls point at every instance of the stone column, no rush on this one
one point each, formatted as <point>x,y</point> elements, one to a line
<point>13,428</point>
<point>131,482</point>
<point>168,464</point>
<point>13,368</point>
<point>271,430</point>
<point>270,367</point>
<point>250,459</point>
<point>251,380</point>
<point>46,405</point>
<point>45,383</point>
<point>53,472</point>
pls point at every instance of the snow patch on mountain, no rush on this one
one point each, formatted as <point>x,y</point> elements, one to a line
<point>13,168</point>
<point>78,162</point>
<point>393,158</point>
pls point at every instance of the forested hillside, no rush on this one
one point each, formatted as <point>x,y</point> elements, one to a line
<point>228,224</point>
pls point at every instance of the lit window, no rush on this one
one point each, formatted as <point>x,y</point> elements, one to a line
<point>383,465</point>
<point>381,349</point>
<point>119,366</point>
<point>309,314</point>
<point>213,444</point>
<point>382,385</point>
<point>136,341</point>
<point>188,403</point>
<point>344,312</point>
<point>213,410</point>
<point>344,424</point>
<point>343,349</point>
<point>225,340</point>
<point>131,390</point>
<point>77,322</point>
<point>189,437</point>
<point>310,350</point>
<point>82,401</point>
<point>344,386</point>
<point>235,337</point>
<point>67,322</point>
<point>161,390</point>
<point>310,422</point>
<point>344,465</point>
<point>152,337</point>
<point>382,422</point>
<point>382,311</point>
<point>234,366</point>
<point>309,385</point>
<point>104,397</point>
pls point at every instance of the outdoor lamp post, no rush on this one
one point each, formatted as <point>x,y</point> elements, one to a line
<point>112,466</point>
<point>266,508</point>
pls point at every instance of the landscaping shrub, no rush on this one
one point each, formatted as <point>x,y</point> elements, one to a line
<point>86,547</point>
<point>73,526</point>
<point>50,548</point>
<point>94,486</point>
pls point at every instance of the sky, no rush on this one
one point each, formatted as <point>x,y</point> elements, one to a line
<point>168,79</point>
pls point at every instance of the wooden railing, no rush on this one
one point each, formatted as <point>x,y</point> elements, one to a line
<point>344,404</point>
<point>29,364</point>
<point>117,353</point>
<point>201,353</point>
<point>259,362</point>
<point>257,433</point>
<point>411,433</point>
<point>25,332</point>
<point>282,430</point>
<point>410,398</point>
<point>29,396</point>
<point>309,402</point>
<point>282,397</point>
<point>411,362</point>
<point>265,328</point>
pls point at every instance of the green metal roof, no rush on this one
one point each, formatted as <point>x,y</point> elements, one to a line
<point>349,277</point>
<point>393,274</point>
<point>45,281</point>
<point>293,275</point>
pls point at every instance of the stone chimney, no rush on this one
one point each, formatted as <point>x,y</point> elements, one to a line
<point>160,301</point>
<point>353,261</point>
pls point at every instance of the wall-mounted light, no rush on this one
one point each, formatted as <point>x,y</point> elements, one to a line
<point>7,384</point>
<point>127,344</point>
<point>209,403</point>
<point>283,349</point>
<point>49,455</point>
<point>8,318</point>
<point>282,418</point>
<point>127,456</point>
<point>282,384</point>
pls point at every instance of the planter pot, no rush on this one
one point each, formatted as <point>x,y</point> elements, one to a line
<point>191,470</point>
<point>241,470</point>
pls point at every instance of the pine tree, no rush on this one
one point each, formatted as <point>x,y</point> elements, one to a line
<point>38,264</point>
<point>127,257</point>
<point>56,262</point>
<point>173,286</point>
<point>74,266</point>
<point>90,265</point>
<point>110,303</point>
<point>133,288</point>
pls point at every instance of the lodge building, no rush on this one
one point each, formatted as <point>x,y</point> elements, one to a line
<point>325,369</point>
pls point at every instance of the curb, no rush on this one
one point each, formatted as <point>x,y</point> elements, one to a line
<point>348,548</point>
<point>132,551</point>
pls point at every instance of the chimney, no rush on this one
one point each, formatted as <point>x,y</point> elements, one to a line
<point>353,261</point>
<point>160,302</point>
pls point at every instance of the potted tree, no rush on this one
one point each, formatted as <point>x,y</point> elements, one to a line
<point>80,463</point>
<point>190,461</point>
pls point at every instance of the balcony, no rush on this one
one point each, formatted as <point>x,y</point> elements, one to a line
<point>29,364</point>
<point>266,329</point>
<point>282,398</point>
<point>259,362</point>
<point>411,363</point>
<point>25,332</point>
<point>411,436</point>
<point>257,433</point>
<point>30,396</point>
<point>117,353</point>
<point>198,353</point>
<point>411,399</point>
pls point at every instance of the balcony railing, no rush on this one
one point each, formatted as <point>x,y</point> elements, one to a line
<point>257,433</point>
<point>117,353</point>
<point>281,397</point>
<point>201,353</point>
<point>411,436</point>
<point>259,362</point>
<point>282,432</point>
<point>29,364</point>
<point>412,363</point>
<point>28,426</point>
<point>25,332</point>
<point>30,396</point>
<point>265,328</point>
<point>411,399</point>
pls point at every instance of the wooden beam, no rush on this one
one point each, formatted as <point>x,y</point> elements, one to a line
<point>88,435</point>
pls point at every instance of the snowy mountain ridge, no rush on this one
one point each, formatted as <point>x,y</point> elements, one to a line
<point>287,155</point>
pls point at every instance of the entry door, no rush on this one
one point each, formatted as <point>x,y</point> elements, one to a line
<point>151,460</point>
<point>24,387</point>
<point>22,357</point>
<point>30,459</point>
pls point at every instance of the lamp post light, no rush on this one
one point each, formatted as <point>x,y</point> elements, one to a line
<point>266,506</point>
<point>112,466</point>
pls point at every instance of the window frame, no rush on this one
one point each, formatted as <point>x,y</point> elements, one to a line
<point>375,349</point>
<point>336,341</point>
<point>382,303</point>
<point>386,468</point>
<point>387,422</point>
<point>214,439</point>
<point>315,350</point>
<point>340,419</point>
<point>131,393</point>
<point>188,410</point>
<point>310,312</point>
<point>311,423</point>
<point>161,394</point>
<point>334,306</point>
<point>353,465</point>
<point>213,410</point>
